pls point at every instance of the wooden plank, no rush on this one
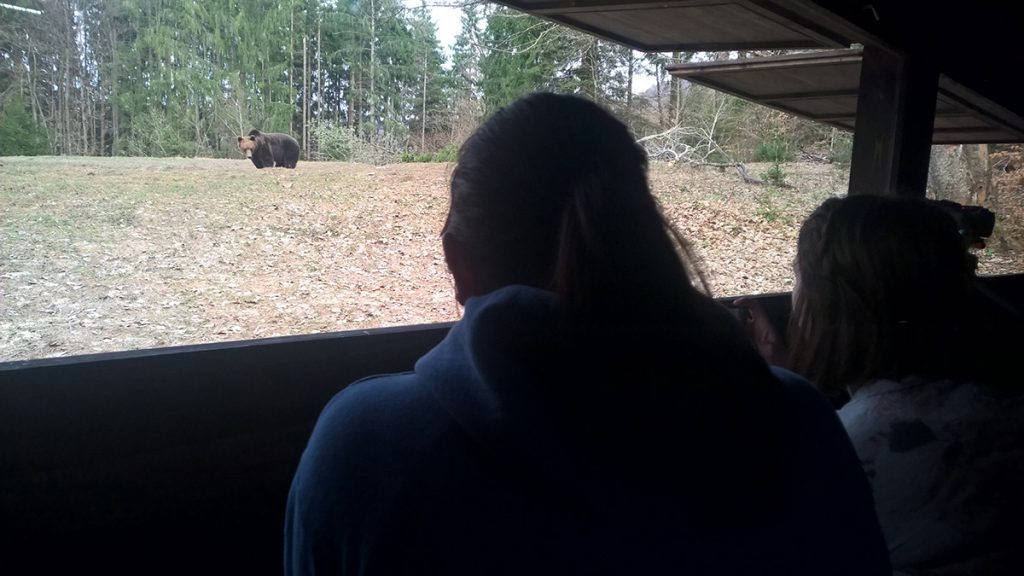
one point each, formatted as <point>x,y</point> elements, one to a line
<point>751,78</point>
<point>725,23</point>
<point>895,116</point>
<point>547,7</point>
<point>798,61</point>
<point>663,30</point>
<point>797,96</point>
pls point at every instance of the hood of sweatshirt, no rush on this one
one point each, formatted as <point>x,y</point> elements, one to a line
<point>666,407</point>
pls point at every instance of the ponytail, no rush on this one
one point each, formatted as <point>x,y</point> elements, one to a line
<point>552,192</point>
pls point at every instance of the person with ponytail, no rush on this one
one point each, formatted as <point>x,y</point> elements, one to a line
<point>888,323</point>
<point>594,411</point>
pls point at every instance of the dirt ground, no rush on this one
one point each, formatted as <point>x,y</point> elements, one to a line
<point>107,254</point>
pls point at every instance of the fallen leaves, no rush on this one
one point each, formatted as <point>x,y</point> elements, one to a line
<point>220,252</point>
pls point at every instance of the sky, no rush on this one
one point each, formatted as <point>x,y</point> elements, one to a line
<point>449,23</point>
<point>447,19</point>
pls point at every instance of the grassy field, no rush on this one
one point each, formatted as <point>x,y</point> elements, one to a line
<point>105,254</point>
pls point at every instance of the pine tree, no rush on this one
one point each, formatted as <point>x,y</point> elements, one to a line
<point>20,135</point>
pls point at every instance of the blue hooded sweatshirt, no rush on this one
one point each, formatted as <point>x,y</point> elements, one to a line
<point>515,449</point>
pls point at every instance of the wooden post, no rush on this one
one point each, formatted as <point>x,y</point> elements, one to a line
<point>984,179</point>
<point>895,118</point>
<point>305,97</point>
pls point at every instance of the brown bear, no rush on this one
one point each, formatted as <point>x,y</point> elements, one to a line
<point>269,150</point>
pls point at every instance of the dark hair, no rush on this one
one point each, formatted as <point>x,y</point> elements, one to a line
<point>552,192</point>
<point>883,288</point>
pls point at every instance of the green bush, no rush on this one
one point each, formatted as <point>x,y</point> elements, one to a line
<point>842,149</point>
<point>767,209</point>
<point>158,134</point>
<point>773,150</point>
<point>20,135</point>
<point>335,142</point>
<point>775,175</point>
<point>446,154</point>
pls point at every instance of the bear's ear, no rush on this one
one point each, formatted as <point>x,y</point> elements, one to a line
<point>253,138</point>
<point>239,139</point>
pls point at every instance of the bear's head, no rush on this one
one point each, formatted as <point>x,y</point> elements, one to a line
<point>247,144</point>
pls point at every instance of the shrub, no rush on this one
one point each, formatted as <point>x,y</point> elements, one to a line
<point>766,207</point>
<point>335,142</point>
<point>155,133</point>
<point>773,150</point>
<point>446,154</point>
<point>20,135</point>
<point>775,175</point>
<point>842,149</point>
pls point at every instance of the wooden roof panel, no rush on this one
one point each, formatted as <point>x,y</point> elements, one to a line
<point>686,25</point>
<point>828,107</point>
<point>967,136</point>
<point>728,25</point>
<point>711,25</point>
<point>823,86</point>
<point>959,120</point>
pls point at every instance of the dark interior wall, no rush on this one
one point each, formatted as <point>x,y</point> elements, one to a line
<point>179,460</point>
<point>174,460</point>
<point>942,34</point>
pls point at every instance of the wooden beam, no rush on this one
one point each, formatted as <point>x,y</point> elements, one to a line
<point>895,117</point>
<point>766,63</point>
<point>720,46</point>
<point>817,36</point>
<point>588,6</point>
<point>852,117</point>
<point>970,129</point>
<point>980,107</point>
<point>794,96</point>
<point>563,12</point>
<point>799,21</point>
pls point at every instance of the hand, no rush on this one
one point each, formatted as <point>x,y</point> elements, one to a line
<point>762,332</point>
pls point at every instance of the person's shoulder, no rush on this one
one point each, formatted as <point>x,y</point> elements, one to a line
<point>833,495</point>
<point>817,420</point>
<point>800,390</point>
<point>374,404</point>
<point>354,464</point>
<point>373,391</point>
<point>367,427</point>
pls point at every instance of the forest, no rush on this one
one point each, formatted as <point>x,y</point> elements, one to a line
<point>359,80</point>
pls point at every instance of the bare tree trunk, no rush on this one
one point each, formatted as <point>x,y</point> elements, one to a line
<point>357,118</point>
<point>661,108</point>
<point>291,68</point>
<point>66,85</point>
<point>239,103</point>
<point>114,111</point>
<point>373,63</point>
<point>673,93</point>
<point>83,100</point>
<point>423,107</point>
<point>629,87</point>
<point>319,74</point>
<point>199,134</point>
<point>32,87</point>
<point>83,118</point>
<point>353,92</point>
<point>985,184</point>
<point>305,96</point>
